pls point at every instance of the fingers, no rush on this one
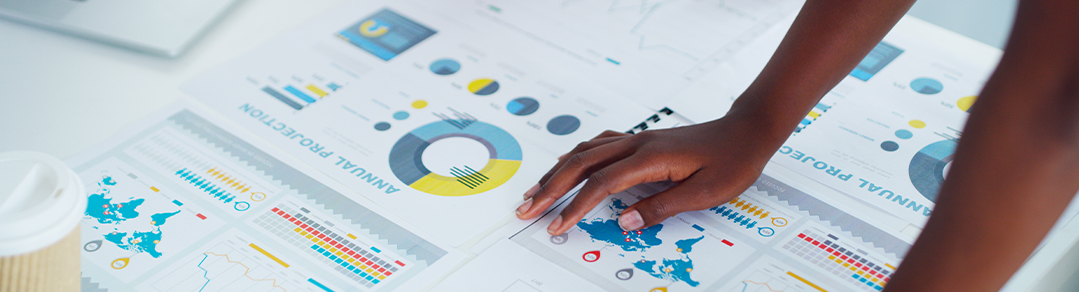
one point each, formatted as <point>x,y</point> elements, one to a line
<point>615,178</point>
<point>574,170</point>
<point>690,195</point>
<point>582,147</point>
<point>607,136</point>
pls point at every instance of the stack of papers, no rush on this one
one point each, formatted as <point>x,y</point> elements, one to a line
<point>384,146</point>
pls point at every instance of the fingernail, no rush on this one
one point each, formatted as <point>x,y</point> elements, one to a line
<point>531,192</point>
<point>630,221</point>
<point>524,207</point>
<point>554,225</point>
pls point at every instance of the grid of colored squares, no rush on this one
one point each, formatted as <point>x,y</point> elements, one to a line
<point>825,252</point>
<point>354,262</point>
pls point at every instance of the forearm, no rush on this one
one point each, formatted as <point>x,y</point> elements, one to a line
<point>1016,167</point>
<point>824,44</point>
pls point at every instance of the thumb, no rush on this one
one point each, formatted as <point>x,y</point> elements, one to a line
<point>689,195</point>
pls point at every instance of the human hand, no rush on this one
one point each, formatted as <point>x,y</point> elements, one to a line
<point>711,163</point>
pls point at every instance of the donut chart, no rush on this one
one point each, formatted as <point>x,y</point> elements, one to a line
<point>927,167</point>
<point>407,165</point>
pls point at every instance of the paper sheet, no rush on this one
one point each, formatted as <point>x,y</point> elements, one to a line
<point>181,202</point>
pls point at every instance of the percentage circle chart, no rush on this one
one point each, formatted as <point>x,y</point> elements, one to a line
<point>563,125</point>
<point>483,86</point>
<point>504,158</point>
<point>522,106</point>
<point>927,86</point>
<point>927,167</point>
<point>445,67</point>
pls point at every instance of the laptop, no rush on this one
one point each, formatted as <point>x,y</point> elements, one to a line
<point>160,27</point>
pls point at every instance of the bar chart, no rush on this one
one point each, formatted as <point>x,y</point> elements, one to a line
<point>297,90</point>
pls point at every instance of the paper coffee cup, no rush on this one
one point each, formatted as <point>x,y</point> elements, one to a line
<point>41,205</point>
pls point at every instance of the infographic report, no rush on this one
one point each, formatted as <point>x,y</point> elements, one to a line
<point>180,203</point>
<point>399,136</point>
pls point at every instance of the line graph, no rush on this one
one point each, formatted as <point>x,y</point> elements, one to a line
<point>676,34</point>
<point>232,263</point>
<point>745,286</point>
<point>246,271</point>
<point>771,275</point>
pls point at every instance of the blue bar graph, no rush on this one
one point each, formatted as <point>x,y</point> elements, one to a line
<point>282,98</point>
<point>299,94</point>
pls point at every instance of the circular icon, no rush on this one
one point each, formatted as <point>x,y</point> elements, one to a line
<point>242,206</point>
<point>591,256</point>
<point>779,221</point>
<point>903,134</point>
<point>382,126</point>
<point>445,67</point>
<point>401,115</point>
<point>418,104</point>
<point>483,86</point>
<point>766,231</point>
<point>522,106</point>
<point>92,246</point>
<point>559,239</point>
<point>890,146</point>
<point>503,151</point>
<point>258,196</point>
<point>120,263</point>
<point>624,274</point>
<point>563,125</point>
<point>926,86</point>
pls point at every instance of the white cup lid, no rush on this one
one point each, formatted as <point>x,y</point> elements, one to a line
<point>41,201</point>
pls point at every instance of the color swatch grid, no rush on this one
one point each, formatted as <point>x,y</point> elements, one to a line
<point>361,264</point>
<point>827,253</point>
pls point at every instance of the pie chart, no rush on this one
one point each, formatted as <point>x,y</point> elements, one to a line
<point>926,86</point>
<point>483,86</point>
<point>445,67</point>
<point>966,102</point>
<point>927,167</point>
<point>503,158</point>
<point>522,106</point>
<point>563,125</point>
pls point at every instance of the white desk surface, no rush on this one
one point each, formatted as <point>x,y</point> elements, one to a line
<point>60,94</point>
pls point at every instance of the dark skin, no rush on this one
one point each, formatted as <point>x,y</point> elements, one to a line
<point>1032,174</point>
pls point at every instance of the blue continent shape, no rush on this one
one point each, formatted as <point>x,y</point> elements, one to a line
<point>607,230</point>
<point>686,245</point>
<point>159,218</point>
<point>671,270</point>
<point>102,209</point>
<point>138,242</point>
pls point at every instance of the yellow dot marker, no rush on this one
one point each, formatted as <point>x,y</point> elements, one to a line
<point>678,249</point>
<point>153,222</point>
<point>120,263</point>
<point>917,124</point>
<point>419,104</point>
<point>157,241</point>
<point>689,269</point>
